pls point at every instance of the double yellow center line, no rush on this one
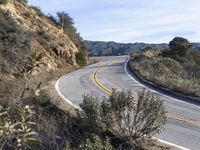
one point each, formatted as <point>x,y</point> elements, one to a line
<point>109,92</point>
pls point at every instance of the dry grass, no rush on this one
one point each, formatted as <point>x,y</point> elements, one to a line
<point>169,73</point>
<point>149,144</point>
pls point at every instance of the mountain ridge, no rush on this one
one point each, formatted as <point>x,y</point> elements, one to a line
<point>101,48</point>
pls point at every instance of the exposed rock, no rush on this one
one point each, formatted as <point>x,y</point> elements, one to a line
<point>59,50</point>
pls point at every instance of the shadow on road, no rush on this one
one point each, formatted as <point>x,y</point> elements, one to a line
<point>105,66</point>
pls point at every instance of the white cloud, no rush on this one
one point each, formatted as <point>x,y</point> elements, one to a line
<point>131,20</point>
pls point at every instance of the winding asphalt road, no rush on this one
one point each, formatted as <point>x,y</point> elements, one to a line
<point>183,126</point>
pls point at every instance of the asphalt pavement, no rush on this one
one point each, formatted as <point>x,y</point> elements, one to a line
<point>183,126</point>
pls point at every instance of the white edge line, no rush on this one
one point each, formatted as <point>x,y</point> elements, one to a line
<point>171,144</point>
<point>68,101</point>
<point>160,140</point>
<point>62,96</point>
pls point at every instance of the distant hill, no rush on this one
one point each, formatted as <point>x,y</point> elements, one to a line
<point>98,48</point>
<point>196,46</point>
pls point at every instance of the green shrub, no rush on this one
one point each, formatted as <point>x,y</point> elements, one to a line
<point>19,132</point>
<point>37,10</point>
<point>18,37</point>
<point>67,24</point>
<point>42,100</point>
<point>23,1</point>
<point>44,43</point>
<point>91,123</point>
<point>125,116</point>
<point>134,118</point>
<point>179,46</point>
<point>3,1</point>
<point>81,58</point>
<point>96,143</point>
<point>53,20</point>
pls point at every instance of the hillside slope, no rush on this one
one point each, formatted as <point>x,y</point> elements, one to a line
<point>176,69</point>
<point>24,31</point>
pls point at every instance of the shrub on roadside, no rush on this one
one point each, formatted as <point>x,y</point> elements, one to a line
<point>124,116</point>
<point>81,57</point>
<point>96,143</point>
<point>134,118</point>
<point>38,11</point>
<point>91,122</point>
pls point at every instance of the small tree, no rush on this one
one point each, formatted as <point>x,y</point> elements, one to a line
<point>33,64</point>
<point>23,1</point>
<point>126,117</point>
<point>96,143</point>
<point>180,46</point>
<point>82,56</point>
<point>67,24</point>
<point>134,119</point>
<point>91,123</point>
<point>3,1</point>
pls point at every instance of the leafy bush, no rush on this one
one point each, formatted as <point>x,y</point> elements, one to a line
<point>124,116</point>
<point>179,46</point>
<point>11,32</point>
<point>3,1</point>
<point>23,1</point>
<point>33,64</point>
<point>38,10</point>
<point>81,58</point>
<point>91,123</point>
<point>53,20</point>
<point>18,37</point>
<point>17,131</point>
<point>96,143</point>
<point>134,119</point>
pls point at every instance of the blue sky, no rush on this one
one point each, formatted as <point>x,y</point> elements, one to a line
<point>152,21</point>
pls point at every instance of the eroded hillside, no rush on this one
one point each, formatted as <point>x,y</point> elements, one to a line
<point>23,31</point>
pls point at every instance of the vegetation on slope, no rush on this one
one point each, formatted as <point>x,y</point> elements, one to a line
<point>176,68</point>
<point>67,24</point>
<point>26,30</point>
<point>117,122</point>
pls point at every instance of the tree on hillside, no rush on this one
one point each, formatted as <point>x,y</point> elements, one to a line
<point>180,46</point>
<point>67,24</point>
<point>33,63</point>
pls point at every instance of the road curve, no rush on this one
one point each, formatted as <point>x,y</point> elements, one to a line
<point>183,126</point>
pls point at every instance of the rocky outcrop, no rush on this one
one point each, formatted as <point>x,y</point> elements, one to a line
<point>44,36</point>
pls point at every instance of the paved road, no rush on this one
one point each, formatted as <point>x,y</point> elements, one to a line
<point>183,126</point>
